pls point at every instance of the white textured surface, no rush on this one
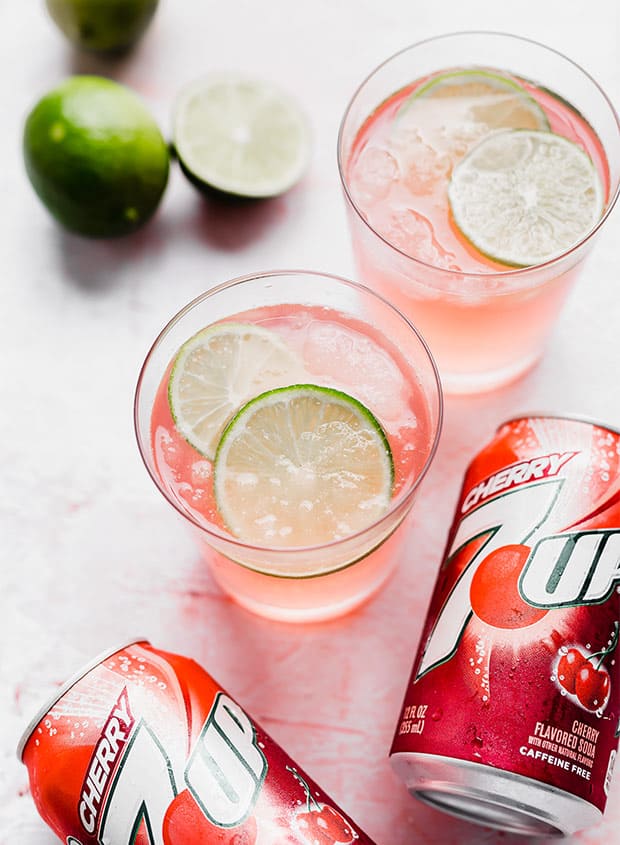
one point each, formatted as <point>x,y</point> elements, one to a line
<point>91,554</point>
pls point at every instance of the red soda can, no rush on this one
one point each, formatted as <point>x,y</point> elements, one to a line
<point>143,747</point>
<point>511,716</point>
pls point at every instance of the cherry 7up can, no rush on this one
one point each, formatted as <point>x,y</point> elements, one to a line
<point>143,747</point>
<point>511,715</point>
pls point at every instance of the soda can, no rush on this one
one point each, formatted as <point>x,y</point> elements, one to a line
<point>143,747</point>
<point>511,716</point>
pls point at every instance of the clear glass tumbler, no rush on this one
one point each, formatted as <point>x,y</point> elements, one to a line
<point>486,325</point>
<point>346,338</point>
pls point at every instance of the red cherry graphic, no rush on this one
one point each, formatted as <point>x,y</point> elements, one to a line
<point>568,666</point>
<point>335,824</point>
<point>592,686</point>
<point>321,824</point>
<point>325,826</point>
<point>185,823</point>
<point>494,591</point>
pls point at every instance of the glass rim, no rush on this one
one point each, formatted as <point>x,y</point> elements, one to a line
<point>514,271</point>
<point>404,497</point>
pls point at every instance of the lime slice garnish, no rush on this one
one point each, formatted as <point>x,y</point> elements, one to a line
<point>453,110</point>
<point>240,136</point>
<point>483,96</point>
<point>218,370</point>
<point>523,197</point>
<point>302,465</point>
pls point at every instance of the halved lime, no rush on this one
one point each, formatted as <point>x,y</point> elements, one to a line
<point>455,109</point>
<point>240,136</point>
<point>523,197</point>
<point>302,465</point>
<point>217,370</point>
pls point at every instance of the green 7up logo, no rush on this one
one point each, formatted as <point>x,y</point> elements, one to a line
<point>140,793</point>
<point>577,568</point>
<point>512,517</point>
<point>225,774</point>
<point>530,576</point>
<point>226,770</point>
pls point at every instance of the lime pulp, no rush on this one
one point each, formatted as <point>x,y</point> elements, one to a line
<point>302,465</point>
<point>240,136</point>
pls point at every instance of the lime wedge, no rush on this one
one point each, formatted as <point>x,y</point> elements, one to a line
<point>218,370</point>
<point>453,110</point>
<point>302,465</point>
<point>240,136</point>
<point>524,197</point>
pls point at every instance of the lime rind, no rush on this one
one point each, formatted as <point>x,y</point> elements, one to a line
<point>518,211</point>
<point>240,136</point>
<point>336,395</point>
<point>493,79</point>
<point>224,396</point>
<point>237,426</point>
<point>468,75</point>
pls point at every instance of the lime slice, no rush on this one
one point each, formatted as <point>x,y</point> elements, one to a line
<point>302,465</point>
<point>452,111</point>
<point>524,197</point>
<point>240,136</point>
<point>483,96</point>
<point>218,370</point>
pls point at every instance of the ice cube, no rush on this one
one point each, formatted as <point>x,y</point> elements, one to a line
<point>373,174</point>
<point>413,233</point>
<point>358,365</point>
<point>426,169</point>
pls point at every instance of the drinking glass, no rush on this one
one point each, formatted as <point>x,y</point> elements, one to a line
<point>351,339</point>
<point>484,328</point>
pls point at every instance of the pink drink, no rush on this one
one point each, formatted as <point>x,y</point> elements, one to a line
<point>486,322</point>
<point>287,579</point>
<point>400,181</point>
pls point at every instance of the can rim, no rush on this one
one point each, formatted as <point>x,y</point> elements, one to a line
<point>584,418</point>
<point>72,681</point>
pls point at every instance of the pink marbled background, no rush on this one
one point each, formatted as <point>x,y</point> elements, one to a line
<point>91,554</point>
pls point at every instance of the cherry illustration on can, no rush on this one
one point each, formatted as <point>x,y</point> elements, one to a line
<point>511,716</point>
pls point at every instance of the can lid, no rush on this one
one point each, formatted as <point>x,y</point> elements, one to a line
<point>551,415</point>
<point>58,694</point>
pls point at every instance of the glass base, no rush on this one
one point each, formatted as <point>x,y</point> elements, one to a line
<point>313,599</point>
<point>462,383</point>
<point>306,614</point>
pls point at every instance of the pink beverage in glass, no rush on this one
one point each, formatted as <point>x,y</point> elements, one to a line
<point>313,567</point>
<point>409,126</point>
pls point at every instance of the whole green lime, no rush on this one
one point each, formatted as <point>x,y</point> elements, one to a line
<point>95,157</point>
<point>102,24</point>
